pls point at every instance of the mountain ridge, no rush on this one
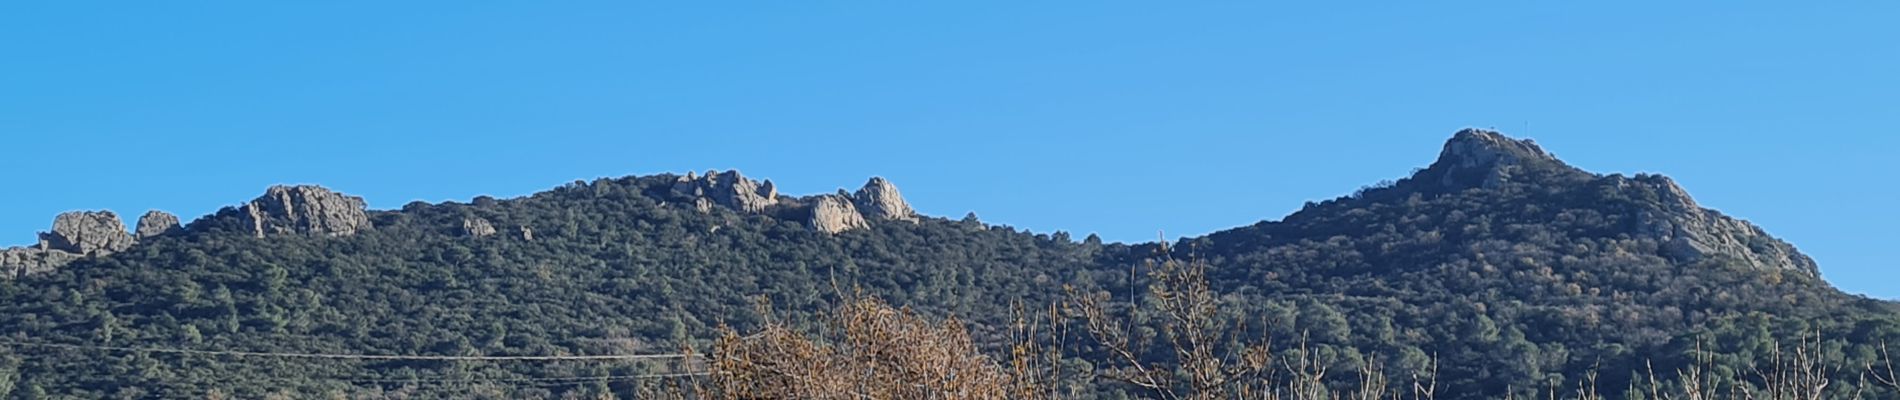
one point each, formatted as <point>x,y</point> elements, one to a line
<point>1471,159</point>
<point>1516,269</point>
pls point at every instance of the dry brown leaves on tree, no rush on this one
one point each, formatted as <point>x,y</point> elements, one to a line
<point>879,353</point>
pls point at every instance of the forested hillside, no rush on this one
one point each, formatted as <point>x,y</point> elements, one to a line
<point>1510,270</point>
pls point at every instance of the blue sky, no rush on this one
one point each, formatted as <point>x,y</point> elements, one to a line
<point>1122,118</point>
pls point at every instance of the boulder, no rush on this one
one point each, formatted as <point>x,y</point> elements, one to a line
<point>477,227</point>
<point>834,214</point>
<point>880,200</point>
<point>88,233</point>
<point>157,223</point>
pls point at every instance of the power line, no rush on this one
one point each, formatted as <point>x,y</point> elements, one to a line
<point>571,378</point>
<point>349,356</point>
<point>435,383</point>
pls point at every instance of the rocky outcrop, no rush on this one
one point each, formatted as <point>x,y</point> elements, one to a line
<point>729,189</point>
<point>834,214</point>
<point>477,227</point>
<point>527,234</point>
<point>75,235</point>
<point>305,210</point>
<point>879,200</point>
<point>1477,158</point>
<point>1689,233</point>
<point>1664,212</point>
<point>156,223</point>
<point>88,233</point>
<point>732,190</point>
<point>22,261</point>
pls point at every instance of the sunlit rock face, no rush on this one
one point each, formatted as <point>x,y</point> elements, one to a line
<point>305,210</point>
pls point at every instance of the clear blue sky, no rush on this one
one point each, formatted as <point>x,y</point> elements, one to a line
<point>1123,118</point>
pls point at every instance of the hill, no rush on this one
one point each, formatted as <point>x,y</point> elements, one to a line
<point>1509,268</point>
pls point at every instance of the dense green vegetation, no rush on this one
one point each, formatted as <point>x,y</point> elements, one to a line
<point>1524,286</point>
<point>610,270</point>
<point>1512,289</point>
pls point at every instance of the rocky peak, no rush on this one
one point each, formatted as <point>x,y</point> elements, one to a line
<point>75,235</point>
<point>88,233</point>
<point>880,200</point>
<point>1472,148</point>
<point>734,190</point>
<point>305,210</point>
<point>1688,233</point>
<point>1481,158</point>
<point>728,189</point>
<point>834,213</point>
<point>156,223</point>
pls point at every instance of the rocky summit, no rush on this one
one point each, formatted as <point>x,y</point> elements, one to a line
<point>74,235</point>
<point>1687,232</point>
<point>1477,158</point>
<point>88,233</point>
<point>879,200</point>
<point>729,189</point>
<point>305,210</point>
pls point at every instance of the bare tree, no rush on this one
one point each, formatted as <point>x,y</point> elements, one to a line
<point>1189,324</point>
<point>1883,371</point>
<point>876,352</point>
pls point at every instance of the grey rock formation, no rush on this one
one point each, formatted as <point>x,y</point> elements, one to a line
<point>880,200</point>
<point>1475,158</point>
<point>156,223</point>
<point>1690,233</point>
<point>22,261</point>
<point>305,210</point>
<point>688,187</point>
<point>729,189</point>
<point>75,235</point>
<point>88,233</point>
<point>1687,232</point>
<point>477,227</point>
<point>834,214</point>
<point>527,234</point>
